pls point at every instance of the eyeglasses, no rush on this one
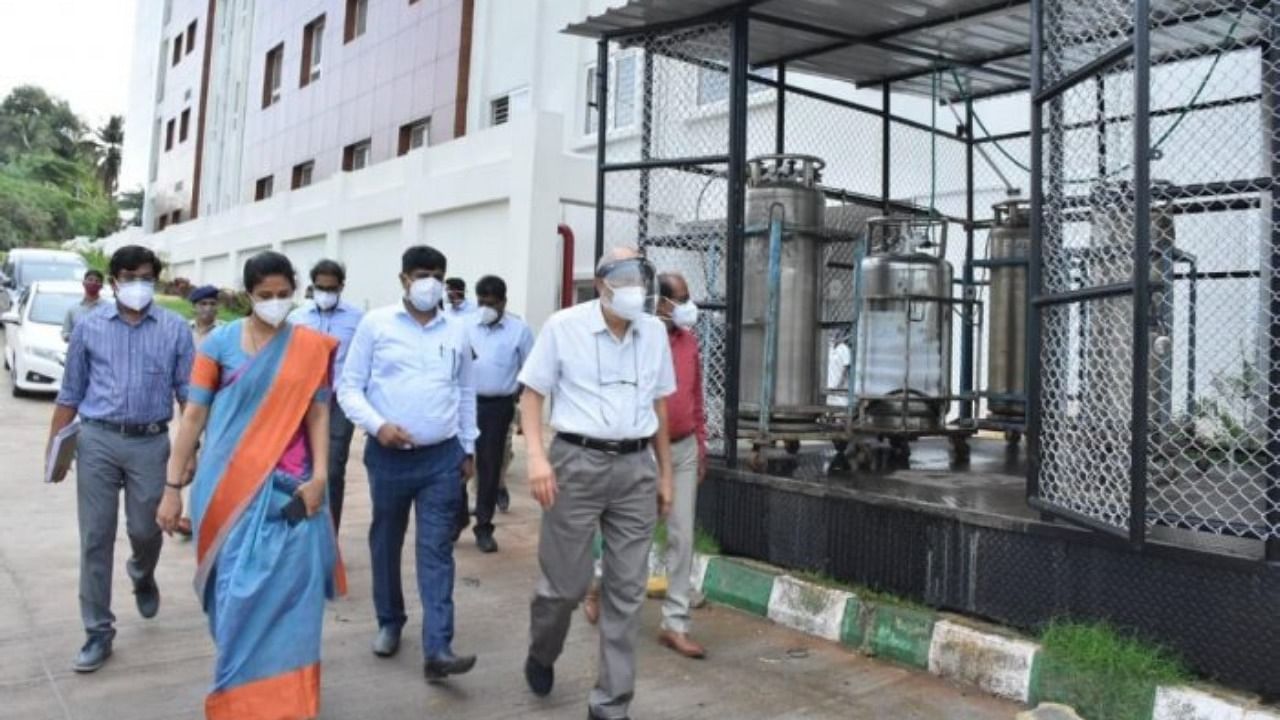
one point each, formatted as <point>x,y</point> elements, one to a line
<point>633,381</point>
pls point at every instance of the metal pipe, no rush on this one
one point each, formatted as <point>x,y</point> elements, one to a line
<point>971,146</point>
<point>1094,67</point>
<point>967,319</point>
<point>646,145</point>
<point>886,138</point>
<point>780,113</point>
<point>666,163</point>
<point>1141,272</point>
<point>736,216</point>
<point>1271,80</point>
<point>1032,379</point>
<point>602,118</point>
<point>1193,276</point>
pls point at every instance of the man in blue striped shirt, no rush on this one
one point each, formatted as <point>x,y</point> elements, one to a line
<point>126,365</point>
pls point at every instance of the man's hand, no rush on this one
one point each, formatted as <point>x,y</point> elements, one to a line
<point>542,482</point>
<point>702,468</point>
<point>312,494</point>
<point>170,510</point>
<point>468,468</point>
<point>666,492</point>
<point>394,437</point>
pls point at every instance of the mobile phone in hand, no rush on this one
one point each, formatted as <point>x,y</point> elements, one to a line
<point>296,511</point>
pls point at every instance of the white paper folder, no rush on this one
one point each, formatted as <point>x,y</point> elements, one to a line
<point>61,452</point>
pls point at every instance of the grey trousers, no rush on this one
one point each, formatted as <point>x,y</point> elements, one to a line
<point>679,558</point>
<point>618,494</point>
<point>107,463</point>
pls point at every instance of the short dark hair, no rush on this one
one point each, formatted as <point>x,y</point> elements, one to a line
<point>96,274</point>
<point>491,286</point>
<point>422,257</point>
<point>265,264</point>
<point>132,257</point>
<point>456,283</point>
<point>666,287</point>
<point>330,267</point>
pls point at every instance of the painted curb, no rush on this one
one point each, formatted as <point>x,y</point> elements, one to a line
<point>1188,703</point>
<point>963,651</point>
<point>809,608</point>
<point>999,664</point>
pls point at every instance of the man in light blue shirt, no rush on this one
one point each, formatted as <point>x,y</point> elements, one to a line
<point>501,342</point>
<point>333,316</point>
<point>455,298</point>
<point>407,382</point>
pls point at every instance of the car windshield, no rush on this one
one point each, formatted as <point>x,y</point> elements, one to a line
<point>51,308</point>
<point>36,271</point>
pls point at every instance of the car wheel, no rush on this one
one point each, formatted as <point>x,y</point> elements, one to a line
<point>13,384</point>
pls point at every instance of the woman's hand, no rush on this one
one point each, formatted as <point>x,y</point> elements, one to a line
<point>170,510</point>
<point>312,494</point>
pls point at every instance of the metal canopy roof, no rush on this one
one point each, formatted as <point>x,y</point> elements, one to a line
<point>868,42</point>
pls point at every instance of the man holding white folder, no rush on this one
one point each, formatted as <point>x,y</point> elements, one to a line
<point>126,366</point>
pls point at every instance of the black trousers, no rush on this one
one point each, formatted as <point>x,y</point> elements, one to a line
<point>493,418</point>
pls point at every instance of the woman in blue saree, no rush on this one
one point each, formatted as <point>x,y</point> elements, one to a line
<point>266,552</point>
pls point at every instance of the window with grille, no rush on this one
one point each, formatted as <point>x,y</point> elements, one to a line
<point>312,50</point>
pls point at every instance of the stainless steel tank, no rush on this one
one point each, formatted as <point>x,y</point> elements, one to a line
<point>903,364</point>
<point>1010,240</point>
<point>1108,324</point>
<point>786,187</point>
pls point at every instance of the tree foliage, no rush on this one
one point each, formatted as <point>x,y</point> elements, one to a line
<point>56,178</point>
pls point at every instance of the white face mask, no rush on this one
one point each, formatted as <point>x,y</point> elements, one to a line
<point>425,294</point>
<point>488,315</point>
<point>325,300</point>
<point>272,312</point>
<point>685,315</point>
<point>627,302</point>
<point>135,294</point>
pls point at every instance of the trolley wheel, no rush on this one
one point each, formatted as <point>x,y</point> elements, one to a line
<point>959,448</point>
<point>792,446</point>
<point>1012,437</point>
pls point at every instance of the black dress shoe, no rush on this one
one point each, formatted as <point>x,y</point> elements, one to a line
<point>442,666</point>
<point>486,543</point>
<point>387,642</point>
<point>93,655</point>
<point>147,595</point>
<point>541,678</point>
<point>504,500</point>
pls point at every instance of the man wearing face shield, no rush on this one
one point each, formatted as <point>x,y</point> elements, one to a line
<point>408,382</point>
<point>126,365</point>
<point>606,365</point>
<point>337,318</point>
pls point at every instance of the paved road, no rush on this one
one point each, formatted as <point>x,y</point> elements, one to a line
<point>161,667</point>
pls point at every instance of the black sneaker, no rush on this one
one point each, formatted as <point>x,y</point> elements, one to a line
<point>540,677</point>
<point>486,543</point>
<point>93,655</point>
<point>147,595</point>
<point>504,500</point>
<point>442,666</point>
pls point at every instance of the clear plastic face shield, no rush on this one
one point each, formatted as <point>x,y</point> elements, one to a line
<point>630,278</point>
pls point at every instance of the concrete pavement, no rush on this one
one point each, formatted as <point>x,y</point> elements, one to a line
<point>161,667</point>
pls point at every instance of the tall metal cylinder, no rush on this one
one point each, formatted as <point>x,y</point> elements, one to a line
<point>784,187</point>
<point>902,374</point>
<point>1009,244</point>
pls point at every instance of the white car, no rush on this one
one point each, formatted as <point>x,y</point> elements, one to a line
<point>34,351</point>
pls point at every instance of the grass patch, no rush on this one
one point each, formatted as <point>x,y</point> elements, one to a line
<point>185,309</point>
<point>704,542</point>
<point>1104,673</point>
<point>864,593</point>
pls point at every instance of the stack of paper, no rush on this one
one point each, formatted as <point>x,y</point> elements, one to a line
<point>61,452</point>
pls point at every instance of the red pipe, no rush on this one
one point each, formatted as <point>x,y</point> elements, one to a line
<point>566,265</point>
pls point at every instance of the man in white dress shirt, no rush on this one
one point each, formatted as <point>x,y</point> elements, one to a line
<point>407,382</point>
<point>606,365</point>
<point>501,342</point>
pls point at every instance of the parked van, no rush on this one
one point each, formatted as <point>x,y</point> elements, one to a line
<point>27,265</point>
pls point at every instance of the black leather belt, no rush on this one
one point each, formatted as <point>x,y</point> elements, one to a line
<point>496,398</point>
<point>127,430</point>
<point>613,447</point>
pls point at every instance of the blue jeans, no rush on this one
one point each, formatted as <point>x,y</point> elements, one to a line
<point>428,480</point>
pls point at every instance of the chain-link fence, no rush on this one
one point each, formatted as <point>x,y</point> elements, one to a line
<point>1207,457</point>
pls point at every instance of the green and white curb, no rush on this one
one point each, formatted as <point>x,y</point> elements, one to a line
<point>963,651</point>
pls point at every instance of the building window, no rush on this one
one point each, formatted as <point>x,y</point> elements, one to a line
<point>177,49</point>
<point>271,75</point>
<point>175,217</point>
<point>162,222</point>
<point>184,125</point>
<point>302,174</point>
<point>356,155</point>
<point>713,85</point>
<point>168,135</point>
<point>414,135</point>
<point>623,94</point>
<point>262,189</point>
<point>191,37</point>
<point>357,20</point>
<point>312,49</point>
<point>505,107</point>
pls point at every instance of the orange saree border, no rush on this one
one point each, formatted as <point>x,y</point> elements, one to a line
<point>294,695</point>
